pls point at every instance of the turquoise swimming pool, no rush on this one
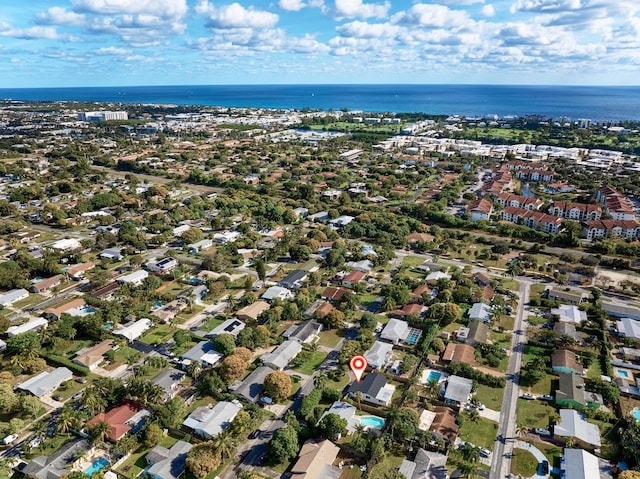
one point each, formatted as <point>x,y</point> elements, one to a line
<point>636,414</point>
<point>97,466</point>
<point>372,421</point>
<point>434,375</point>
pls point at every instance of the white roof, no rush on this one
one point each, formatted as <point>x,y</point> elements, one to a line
<point>458,389</point>
<point>379,354</point>
<point>277,292</point>
<point>180,229</point>
<point>46,382</point>
<point>579,464</point>
<point>347,412</point>
<point>426,419</point>
<point>480,311</point>
<point>134,277</point>
<point>436,275</point>
<point>282,355</point>
<point>395,330</point>
<point>574,424</point>
<point>231,326</point>
<point>629,328</point>
<point>133,330</point>
<point>210,421</point>
<point>12,296</point>
<point>65,244</point>
<point>569,313</point>
<point>35,323</point>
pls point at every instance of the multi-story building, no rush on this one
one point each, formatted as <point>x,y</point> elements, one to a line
<point>575,211</point>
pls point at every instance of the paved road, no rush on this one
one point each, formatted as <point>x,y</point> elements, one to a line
<point>503,448</point>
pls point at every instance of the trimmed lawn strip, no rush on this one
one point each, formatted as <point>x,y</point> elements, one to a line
<point>490,397</point>
<point>481,433</point>
<point>329,339</point>
<point>532,414</point>
<point>159,334</point>
<point>311,365</point>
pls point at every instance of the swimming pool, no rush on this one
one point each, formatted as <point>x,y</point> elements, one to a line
<point>97,466</point>
<point>623,373</point>
<point>372,421</point>
<point>434,375</point>
<point>636,413</point>
<point>413,338</point>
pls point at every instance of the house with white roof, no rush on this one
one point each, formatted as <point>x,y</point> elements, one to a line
<point>480,312</point>
<point>627,327</point>
<point>379,355</point>
<point>132,331</point>
<point>280,357</point>
<point>347,412</point>
<point>13,296</point>
<point>67,244</point>
<point>135,278</point>
<point>46,382</point>
<point>277,292</point>
<point>568,313</point>
<point>579,464</point>
<point>458,389</point>
<point>396,331</point>
<point>34,324</point>
<point>575,425</point>
<point>204,353</point>
<point>208,422</point>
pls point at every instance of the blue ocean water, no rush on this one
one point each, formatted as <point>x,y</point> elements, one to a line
<point>593,102</point>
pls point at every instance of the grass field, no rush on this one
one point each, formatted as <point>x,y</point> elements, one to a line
<point>490,397</point>
<point>311,364</point>
<point>329,338</point>
<point>532,414</point>
<point>481,433</point>
<point>159,334</point>
<point>523,463</point>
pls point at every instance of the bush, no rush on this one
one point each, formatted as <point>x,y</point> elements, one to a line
<point>58,360</point>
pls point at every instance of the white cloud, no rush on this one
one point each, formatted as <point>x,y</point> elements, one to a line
<point>359,29</point>
<point>59,16</point>
<point>461,2</point>
<point>291,5</point>
<point>356,8</point>
<point>112,51</point>
<point>236,16</point>
<point>426,15</point>
<point>31,33</point>
<point>160,8</point>
<point>488,11</point>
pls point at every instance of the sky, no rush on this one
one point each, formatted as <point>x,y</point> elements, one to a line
<point>55,43</point>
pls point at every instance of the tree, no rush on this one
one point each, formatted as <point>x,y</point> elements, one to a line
<point>471,453</point>
<point>202,459</point>
<point>16,425</point>
<point>224,343</point>
<point>368,321</point>
<point>232,368</point>
<point>244,353</point>
<point>630,441</point>
<point>450,313</point>
<point>405,424</point>
<point>277,385</point>
<point>152,435</point>
<point>331,426</point>
<point>192,235</point>
<point>334,319</point>
<point>27,345</point>
<point>437,345</point>
<point>100,431</point>
<point>284,445</point>
<point>8,399</point>
<point>515,268</point>
<point>30,407</point>
<point>241,423</point>
<point>172,412</point>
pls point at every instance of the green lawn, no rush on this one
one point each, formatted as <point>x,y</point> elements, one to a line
<point>537,289</point>
<point>211,323</point>
<point>329,339</point>
<point>188,314</point>
<point>523,463</point>
<point>367,299</point>
<point>595,370</point>
<point>544,386</point>
<point>124,355</point>
<point>532,414</point>
<point>535,351</point>
<point>481,433</point>
<point>32,300</point>
<point>552,452</point>
<point>490,397</point>
<point>50,446</point>
<point>510,284</point>
<point>339,385</point>
<point>311,365</point>
<point>159,334</point>
<point>412,261</point>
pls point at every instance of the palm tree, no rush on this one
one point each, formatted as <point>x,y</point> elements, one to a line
<point>468,471</point>
<point>65,420</point>
<point>195,368</point>
<point>515,268</point>
<point>471,453</point>
<point>225,444</point>
<point>100,431</point>
<point>432,388</point>
<point>521,429</point>
<point>473,415</point>
<point>39,428</point>
<point>320,380</point>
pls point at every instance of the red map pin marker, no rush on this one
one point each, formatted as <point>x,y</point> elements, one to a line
<point>358,364</point>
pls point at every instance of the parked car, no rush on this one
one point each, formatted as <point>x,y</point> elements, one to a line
<point>528,396</point>
<point>9,439</point>
<point>35,442</point>
<point>545,397</point>
<point>57,397</point>
<point>542,432</point>
<point>545,467</point>
<point>485,452</point>
<point>255,434</point>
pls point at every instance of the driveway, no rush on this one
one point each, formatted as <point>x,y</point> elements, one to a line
<point>538,455</point>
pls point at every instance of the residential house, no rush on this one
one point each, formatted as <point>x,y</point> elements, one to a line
<point>203,353</point>
<point>621,311</point>
<point>566,296</point>
<point>169,380</point>
<point>537,220</point>
<point>169,311</point>
<point>444,424</point>
<point>319,309</point>
<point>353,278</point>
<point>570,392</point>
<point>347,412</point>
<point>163,463</point>
<point>435,276</point>
<point>294,280</point>
<point>414,238</point>
<point>458,390</point>
<point>305,332</point>
<point>407,310</point>
<point>193,294</point>
<point>579,464</point>
<point>480,209</point>
<point>67,244</point>
<point>564,361</point>
<point>251,386</point>
<point>459,353</point>
<point>281,356</point>
<point>202,245</point>
<point>92,357</point>
<point>129,416</point>
<point>574,425</point>
<point>34,324</point>
<point>379,355</point>
<point>75,307</point>
<point>628,328</point>
<point>133,330</point>
<point>45,285</point>
<point>478,332</point>
<point>57,464</point>
<point>77,271</point>
<point>315,461</point>
<point>374,389</point>
<point>253,311</point>
<point>114,254</point>
<point>426,465</point>
<point>106,293</point>
<point>277,292</point>
<point>13,296</point>
<point>566,329</point>
<point>364,265</point>
<point>395,331</point>
<point>575,211</point>
<point>46,382</point>
<point>135,278</point>
<point>483,279</point>
<point>332,293</point>
<point>209,421</point>
<point>230,326</point>
<point>162,266</point>
<point>567,313</point>
<point>482,294</point>
<point>480,312</point>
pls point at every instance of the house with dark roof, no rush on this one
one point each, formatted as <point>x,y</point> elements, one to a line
<point>566,296</point>
<point>251,386</point>
<point>129,416</point>
<point>163,463</point>
<point>565,361</point>
<point>56,466</point>
<point>281,356</point>
<point>570,392</point>
<point>304,332</point>
<point>566,329</point>
<point>203,353</point>
<point>478,333</point>
<point>294,280</point>
<point>107,292</point>
<point>374,389</point>
<point>169,380</point>
<point>231,326</point>
<point>426,465</point>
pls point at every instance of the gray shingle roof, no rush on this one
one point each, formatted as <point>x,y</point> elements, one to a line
<point>46,382</point>
<point>173,465</point>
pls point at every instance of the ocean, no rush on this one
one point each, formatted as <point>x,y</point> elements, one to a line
<point>574,102</point>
